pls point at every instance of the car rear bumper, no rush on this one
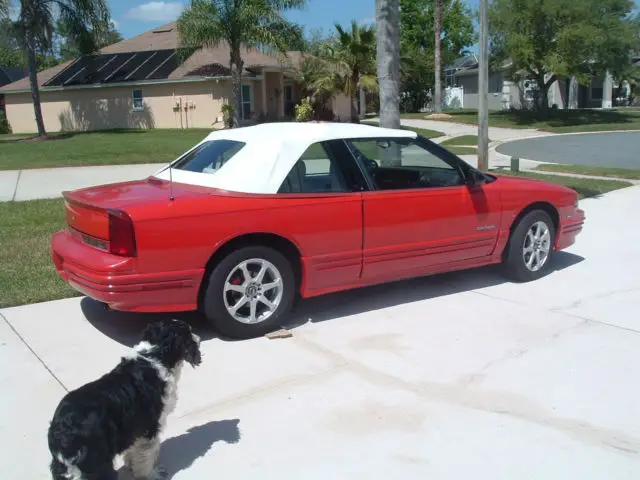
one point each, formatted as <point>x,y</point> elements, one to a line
<point>570,227</point>
<point>113,280</point>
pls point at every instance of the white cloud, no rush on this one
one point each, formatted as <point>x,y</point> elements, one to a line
<point>369,20</point>
<point>115,23</point>
<point>156,11</point>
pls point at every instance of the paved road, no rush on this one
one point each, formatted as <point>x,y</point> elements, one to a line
<point>620,149</point>
<point>452,377</point>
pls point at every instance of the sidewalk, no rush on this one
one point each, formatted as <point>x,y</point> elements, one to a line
<point>450,129</point>
<point>32,184</point>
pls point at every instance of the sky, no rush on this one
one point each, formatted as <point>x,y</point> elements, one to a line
<point>132,17</point>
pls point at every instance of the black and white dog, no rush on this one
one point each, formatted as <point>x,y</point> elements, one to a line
<point>124,411</point>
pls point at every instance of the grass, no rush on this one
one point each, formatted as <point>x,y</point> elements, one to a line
<point>557,121</point>
<point>27,274</point>
<point>112,147</point>
<point>462,140</point>
<point>595,171</point>
<point>462,150</point>
<point>109,147</point>
<point>586,187</point>
<point>425,132</point>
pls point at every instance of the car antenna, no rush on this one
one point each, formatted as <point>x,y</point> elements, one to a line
<point>171,197</point>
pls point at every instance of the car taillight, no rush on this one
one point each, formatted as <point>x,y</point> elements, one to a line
<point>122,237</point>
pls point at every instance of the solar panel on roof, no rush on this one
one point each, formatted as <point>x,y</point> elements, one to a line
<point>118,67</point>
<point>165,69</point>
<point>91,72</point>
<point>67,73</point>
<point>116,62</point>
<point>128,67</point>
<point>150,65</point>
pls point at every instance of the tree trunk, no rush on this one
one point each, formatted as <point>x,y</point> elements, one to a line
<point>388,63</point>
<point>236,84</point>
<point>437,93</point>
<point>33,80</point>
<point>355,111</point>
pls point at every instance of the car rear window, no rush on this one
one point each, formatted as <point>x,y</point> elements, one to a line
<point>209,156</point>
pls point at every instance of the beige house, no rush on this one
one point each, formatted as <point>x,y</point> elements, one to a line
<point>143,83</point>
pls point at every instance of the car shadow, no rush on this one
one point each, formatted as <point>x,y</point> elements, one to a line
<point>125,327</point>
<point>180,452</point>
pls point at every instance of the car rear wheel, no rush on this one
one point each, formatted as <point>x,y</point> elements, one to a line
<point>529,251</point>
<point>249,292</point>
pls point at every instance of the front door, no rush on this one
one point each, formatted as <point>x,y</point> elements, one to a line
<point>421,214</point>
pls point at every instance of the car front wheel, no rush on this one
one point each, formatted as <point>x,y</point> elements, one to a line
<point>528,254</point>
<point>250,292</point>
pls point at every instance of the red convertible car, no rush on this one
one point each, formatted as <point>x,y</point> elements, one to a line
<point>251,218</point>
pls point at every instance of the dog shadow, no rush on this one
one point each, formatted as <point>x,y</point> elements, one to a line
<point>180,452</point>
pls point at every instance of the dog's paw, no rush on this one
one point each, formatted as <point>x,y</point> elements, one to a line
<point>159,473</point>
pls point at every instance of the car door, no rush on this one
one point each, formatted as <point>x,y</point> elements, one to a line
<point>321,198</point>
<point>420,215</point>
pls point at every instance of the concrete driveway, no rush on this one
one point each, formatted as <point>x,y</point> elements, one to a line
<point>610,149</point>
<point>451,377</point>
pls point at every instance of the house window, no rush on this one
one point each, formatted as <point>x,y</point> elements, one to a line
<point>138,101</point>
<point>247,102</point>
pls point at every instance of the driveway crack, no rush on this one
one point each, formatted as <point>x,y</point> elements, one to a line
<point>15,190</point>
<point>34,353</point>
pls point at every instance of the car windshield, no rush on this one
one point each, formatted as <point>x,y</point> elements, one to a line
<point>209,156</point>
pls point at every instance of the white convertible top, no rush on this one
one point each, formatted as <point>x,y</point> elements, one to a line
<point>271,151</point>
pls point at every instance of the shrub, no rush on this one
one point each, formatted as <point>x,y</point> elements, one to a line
<point>304,110</point>
<point>4,123</point>
<point>227,114</point>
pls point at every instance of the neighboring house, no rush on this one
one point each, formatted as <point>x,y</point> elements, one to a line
<point>462,75</point>
<point>142,83</point>
<point>9,75</point>
<point>503,93</point>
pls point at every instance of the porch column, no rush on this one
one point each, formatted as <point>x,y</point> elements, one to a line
<point>607,90</point>
<point>281,103</point>
<point>263,88</point>
<point>572,101</point>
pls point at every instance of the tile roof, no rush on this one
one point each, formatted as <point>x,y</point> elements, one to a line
<point>204,62</point>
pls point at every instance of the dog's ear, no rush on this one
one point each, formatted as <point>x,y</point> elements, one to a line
<point>193,355</point>
<point>155,333</point>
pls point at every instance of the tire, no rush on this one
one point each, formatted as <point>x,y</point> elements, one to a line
<point>516,260</point>
<point>228,287</point>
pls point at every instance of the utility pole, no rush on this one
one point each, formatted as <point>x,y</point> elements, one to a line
<point>483,87</point>
<point>437,89</point>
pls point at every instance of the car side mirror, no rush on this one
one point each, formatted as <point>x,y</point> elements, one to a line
<point>475,178</point>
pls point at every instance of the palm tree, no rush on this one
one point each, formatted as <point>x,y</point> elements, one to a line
<point>388,61</point>
<point>239,23</point>
<point>34,28</point>
<point>437,88</point>
<point>349,65</point>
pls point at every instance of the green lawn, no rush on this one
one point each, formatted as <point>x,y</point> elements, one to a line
<point>114,147</point>
<point>586,187</point>
<point>596,171</point>
<point>27,274</point>
<point>557,121</point>
<point>462,140</point>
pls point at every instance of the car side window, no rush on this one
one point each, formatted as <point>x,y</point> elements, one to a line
<point>401,163</point>
<point>314,172</point>
<point>209,156</point>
